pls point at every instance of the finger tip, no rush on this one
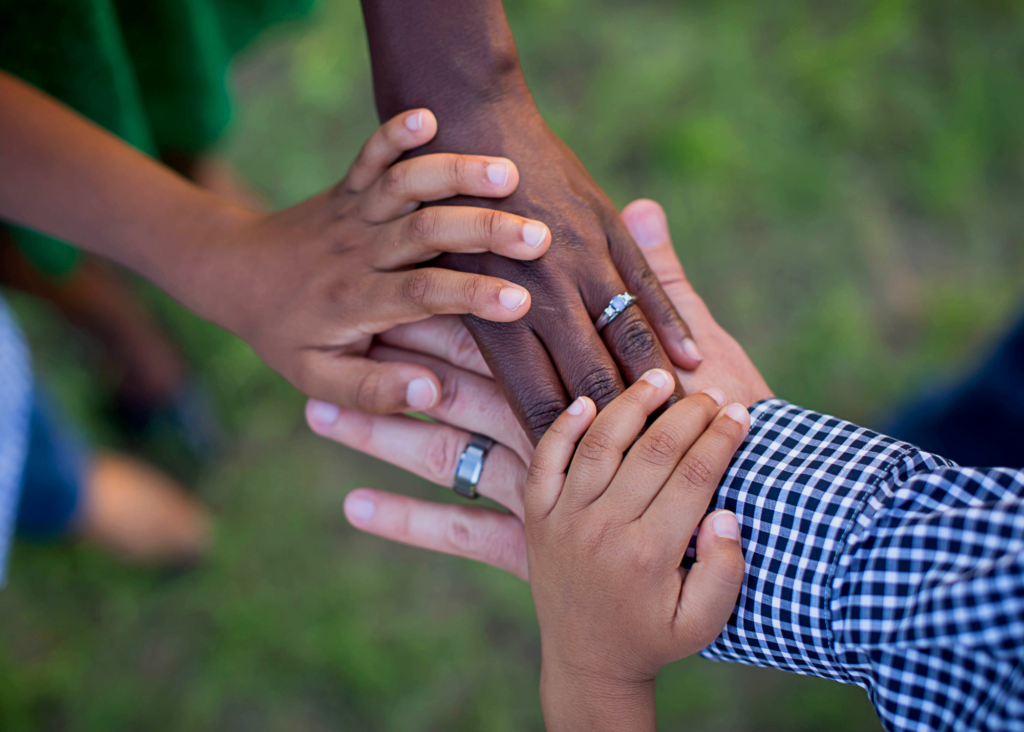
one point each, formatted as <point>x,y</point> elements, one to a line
<point>646,222</point>
<point>640,206</point>
<point>513,303</point>
<point>684,352</point>
<point>725,525</point>
<point>360,507</point>
<point>321,416</point>
<point>422,392</point>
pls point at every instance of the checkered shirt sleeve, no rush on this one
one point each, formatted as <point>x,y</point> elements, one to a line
<point>871,562</point>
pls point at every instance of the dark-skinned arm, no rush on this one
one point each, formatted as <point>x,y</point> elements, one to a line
<point>458,58</point>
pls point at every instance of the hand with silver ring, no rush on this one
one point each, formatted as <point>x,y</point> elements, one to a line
<point>471,402</point>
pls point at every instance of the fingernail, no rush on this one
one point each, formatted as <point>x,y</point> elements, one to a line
<point>725,525</point>
<point>421,393</point>
<point>511,297</point>
<point>737,413</point>
<point>656,378</point>
<point>360,510</point>
<point>534,233</point>
<point>649,230</point>
<point>577,407</point>
<point>322,413</point>
<point>717,394</point>
<point>497,173</point>
<point>691,350</point>
<point>415,121</point>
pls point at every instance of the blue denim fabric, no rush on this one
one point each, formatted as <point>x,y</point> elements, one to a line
<point>54,475</point>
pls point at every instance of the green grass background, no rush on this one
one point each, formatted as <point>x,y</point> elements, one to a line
<point>844,185</point>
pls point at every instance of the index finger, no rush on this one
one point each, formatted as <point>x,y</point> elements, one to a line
<point>599,454</point>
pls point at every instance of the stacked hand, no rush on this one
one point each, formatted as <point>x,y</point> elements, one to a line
<point>311,285</point>
<point>606,537</point>
<point>472,402</point>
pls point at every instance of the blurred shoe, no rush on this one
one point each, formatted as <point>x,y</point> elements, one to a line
<point>142,516</point>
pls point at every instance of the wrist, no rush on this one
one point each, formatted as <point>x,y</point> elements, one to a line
<point>193,257</point>
<point>576,699</point>
<point>446,55</point>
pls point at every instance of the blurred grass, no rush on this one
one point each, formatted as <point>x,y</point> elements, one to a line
<point>843,182</point>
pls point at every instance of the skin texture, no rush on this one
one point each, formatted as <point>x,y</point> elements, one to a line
<point>306,287</point>
<point>606,535</point>
<point>472,402</point>
<point>458,57</point>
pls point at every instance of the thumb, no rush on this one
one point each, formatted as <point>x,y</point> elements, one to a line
<point>367,386</point>
<point>712,585</point>
<point>646,222</point>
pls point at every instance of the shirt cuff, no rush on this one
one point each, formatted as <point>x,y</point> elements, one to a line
<point>799,484</point>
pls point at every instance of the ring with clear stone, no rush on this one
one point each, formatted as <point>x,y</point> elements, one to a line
<point>615,308</point>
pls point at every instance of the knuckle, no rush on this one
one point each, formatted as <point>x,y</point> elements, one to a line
<point>489,223</point>
<point>368,391</point>
<point>395,179</point>
<point>596,446</point>
<point>473,288</point>
<point>695,471</point>
<point>442,456</point>
<point>659,448</point>
<point>538,471</point>
<point>424,225</point>
<point>417,287</point>
<point>456,169</point>
<point>728,431</point>
<point>539,415</point>
<point>602,385</point>
<point>634,338</point>
<point>462,347</point>
<point>453,399</point>
<point>731,568</point>
<point>647,554</point>
<point>460,536</point>
<point>595,537</point>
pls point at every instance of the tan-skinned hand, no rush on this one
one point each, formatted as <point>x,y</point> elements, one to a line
<point>329,273</point>
<point>609,515</point>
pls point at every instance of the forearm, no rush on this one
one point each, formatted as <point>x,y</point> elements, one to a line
<point>64,176</point>
<point>450,56</point>
<point>573,702</point>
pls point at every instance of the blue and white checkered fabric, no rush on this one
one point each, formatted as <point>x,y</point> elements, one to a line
<point>15,394</point>
<point>873,563</point>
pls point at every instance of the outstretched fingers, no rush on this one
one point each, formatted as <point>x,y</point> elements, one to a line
<point>408,296</point>
<point>367,386</point>
<point>474,533</point>
<point>428,232</point>
<point>407,184</point>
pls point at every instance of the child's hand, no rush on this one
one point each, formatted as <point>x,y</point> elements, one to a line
<point>605,543</point>
<point>310,286</point>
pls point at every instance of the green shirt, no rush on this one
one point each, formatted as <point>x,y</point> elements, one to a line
<point>153,72</point>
